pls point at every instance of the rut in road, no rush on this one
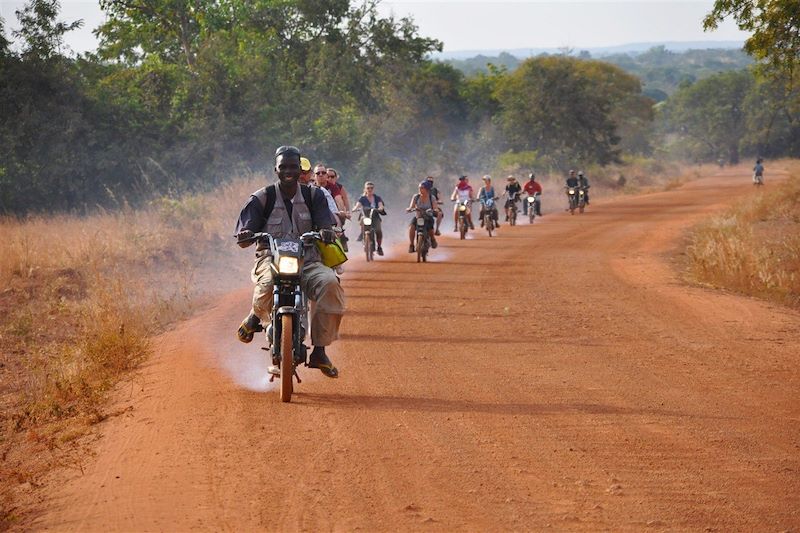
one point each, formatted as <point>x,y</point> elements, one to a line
<point>558,375</point>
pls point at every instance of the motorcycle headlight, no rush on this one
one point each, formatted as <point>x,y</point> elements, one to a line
<point>367,221</point>
<point>572,191</point>
<point>288,265</point>
<point>581,193</point>
<point>462,207</point>
<point>530,199</point>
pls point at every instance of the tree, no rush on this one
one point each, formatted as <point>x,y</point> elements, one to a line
<point>710,115</point>
<point>566,109</point>
<point>775,25</point>
<point>43,36</point>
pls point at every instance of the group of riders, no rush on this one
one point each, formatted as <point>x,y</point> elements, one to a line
<point>304,200</point>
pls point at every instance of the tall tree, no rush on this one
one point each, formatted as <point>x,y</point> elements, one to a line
<point>710,115</point>
<point>775,25</point>
<point>42,34</point>
<point>566,108</point>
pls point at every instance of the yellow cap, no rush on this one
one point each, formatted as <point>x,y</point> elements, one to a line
<point>305,164</point>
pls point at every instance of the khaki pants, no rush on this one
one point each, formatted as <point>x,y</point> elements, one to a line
<point>320,285</point>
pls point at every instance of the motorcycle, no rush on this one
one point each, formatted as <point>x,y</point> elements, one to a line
<point>758,180</point>
<point>367,219</point>
<point>534,202</point>
<point>512,210</point>
<point>576,197</point>
<point>488,211</point>
<point>463,217</point>
<point>422,239</point>
<point>286,331</point>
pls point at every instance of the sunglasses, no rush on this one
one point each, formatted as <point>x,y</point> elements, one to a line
<point>320,173</point>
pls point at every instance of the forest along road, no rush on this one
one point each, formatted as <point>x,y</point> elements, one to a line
<point>557,375</point>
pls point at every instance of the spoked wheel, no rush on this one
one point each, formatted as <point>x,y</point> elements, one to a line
<point>368,245</point>
<point>420,241</point>
<point>287,357</point>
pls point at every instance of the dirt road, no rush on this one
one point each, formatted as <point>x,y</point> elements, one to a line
<point>556,376</point>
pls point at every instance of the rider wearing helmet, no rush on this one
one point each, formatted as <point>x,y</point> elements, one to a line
<point>439,212</point>
<point>583,183</point>
<point>512,192</point>
<point>422,201</point>
<point>487,193</point>
<point>531,188</point>
<point>463,193</point>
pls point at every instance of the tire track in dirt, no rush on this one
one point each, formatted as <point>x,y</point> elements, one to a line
<point>558,375</point>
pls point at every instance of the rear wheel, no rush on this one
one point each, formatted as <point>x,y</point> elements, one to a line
<point>368,245</point>
<point>287,357</point>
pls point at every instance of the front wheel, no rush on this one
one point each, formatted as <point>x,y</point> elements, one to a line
<point>531,216</point>
<point>489,224</point>
<point>420,244</point>
<point>462,228</point>
<point>287,357</point>
<point>368,245</point>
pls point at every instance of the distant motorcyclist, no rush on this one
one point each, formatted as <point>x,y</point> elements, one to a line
<point>512,193</point>
<point>289,209</point>
<point>439,212</point>
<point>583,183</point>
<point>370,200</point>
<point>758,172</point>
<point>463,193</point>
<point>422,201</point>
<point>485,194</point>
<point>531,188</point>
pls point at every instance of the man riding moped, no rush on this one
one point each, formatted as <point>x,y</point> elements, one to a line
<point>532,188</point>
<point>288,209</point>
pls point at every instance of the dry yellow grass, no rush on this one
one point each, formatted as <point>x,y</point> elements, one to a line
<point>80,298</point>
<point>754,248</point>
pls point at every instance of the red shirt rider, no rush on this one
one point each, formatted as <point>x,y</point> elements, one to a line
<point>532,187</point>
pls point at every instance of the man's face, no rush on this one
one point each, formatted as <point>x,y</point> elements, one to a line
<point>321,175</point>
<point>287,167</point>
<point>572,173</point>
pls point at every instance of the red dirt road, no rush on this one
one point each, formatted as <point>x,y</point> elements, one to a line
<point>556,376</point>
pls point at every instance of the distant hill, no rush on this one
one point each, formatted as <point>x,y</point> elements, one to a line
<point>630,48</point>
<point>661,68</point>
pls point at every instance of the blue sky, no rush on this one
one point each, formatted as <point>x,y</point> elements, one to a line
<point>489,25</point>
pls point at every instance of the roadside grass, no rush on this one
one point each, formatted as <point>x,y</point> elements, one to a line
<point>753,248</point>
<point>80,299</point>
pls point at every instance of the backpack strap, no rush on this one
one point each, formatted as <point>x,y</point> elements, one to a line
<point>266,197</point>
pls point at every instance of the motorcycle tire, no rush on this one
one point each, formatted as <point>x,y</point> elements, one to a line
<point>420,245</point>
<point>489,225</point>
<point>368,245</point>
<point>530,218</point>
<point>462,227</point>
<point>287,357</point>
